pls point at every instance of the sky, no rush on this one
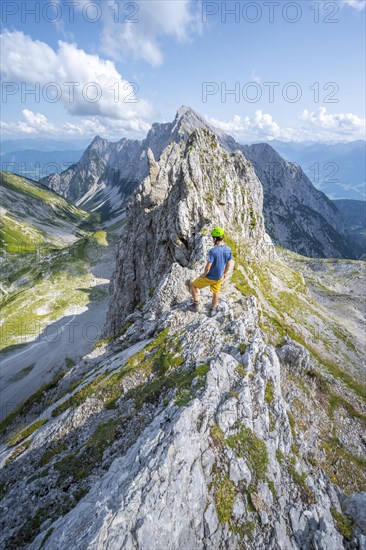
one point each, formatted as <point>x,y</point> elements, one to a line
<point>258,69</point>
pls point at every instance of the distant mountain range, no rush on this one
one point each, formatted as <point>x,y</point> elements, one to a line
<point>36,164</point>
<point>337,169</point>
<point>297,215</point>
<point>42,144</point>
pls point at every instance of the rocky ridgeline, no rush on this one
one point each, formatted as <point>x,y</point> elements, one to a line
<point>297,216</point>
<point>196,184</point>
<point>185,440</point>
<point>180,430</point>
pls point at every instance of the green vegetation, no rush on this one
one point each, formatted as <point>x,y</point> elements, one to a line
<point>3,490</point>
<point>344,525</point>
<point>24,408</point>
<point>288,308</point>
<point>46,537</point>
<point>23,373</point>
<point>343,468</point>
<point>50,453</point>
<point>19,436</point>
<point>217,435</point>
<point>307,495</point>
<point>292,423</point>
<point>103,341</point>
<point>31,189</point>
<point>224,496</point>
<point>253,219</point>
<point>30,528</point>
<point>242,347</point>
<point>164,361</point>
<point>102,438</point>
<point>71,466</point>
<point>247,445</point>
<point>19,237</point>
<point>78,467</point>
<point>18,451</point>
<point>79,397</point>
<point>269,392</point>
<point>233,393</point>
<point>335,400</point>
<point>181,380</point>
<point>241,371</point>
<point>330,366</point>
<point>55,276</point>
<point>161,359</point>
<point>244,530</point>
<point>272,488</point>
<point>69,362</point>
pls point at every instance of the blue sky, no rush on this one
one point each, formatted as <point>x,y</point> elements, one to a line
<point>295,69</point>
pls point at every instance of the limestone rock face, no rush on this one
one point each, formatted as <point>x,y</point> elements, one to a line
<point>166,488</point>
<point>195,186</point>
<point>297,215</point>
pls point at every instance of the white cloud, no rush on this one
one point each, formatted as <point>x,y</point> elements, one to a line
<point>33,123</point>
<point>314,126</point>
<point>38,124</point>
<point>37,120</point>
<point>261,126</point>
<point>357,4</point>
<point>154,20</point>
<point>344,125</point>
<point>86,84</point>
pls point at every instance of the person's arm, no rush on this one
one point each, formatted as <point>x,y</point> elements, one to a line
<point>227,267</point>
<point>207,269</point>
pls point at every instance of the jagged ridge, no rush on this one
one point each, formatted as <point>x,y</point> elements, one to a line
<point>297,216</point>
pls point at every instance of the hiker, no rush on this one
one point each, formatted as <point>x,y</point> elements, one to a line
<point>218,264</point>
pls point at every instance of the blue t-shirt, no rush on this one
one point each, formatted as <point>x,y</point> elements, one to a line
<point>218,257</point>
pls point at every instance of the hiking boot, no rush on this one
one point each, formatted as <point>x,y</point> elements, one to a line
<point>213,311</point>
<point>194,307</point>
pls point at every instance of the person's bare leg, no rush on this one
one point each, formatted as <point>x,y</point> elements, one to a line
<point>215,299</point>
<point>194,291</point>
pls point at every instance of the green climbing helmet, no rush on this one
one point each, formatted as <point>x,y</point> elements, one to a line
<point>217,232</point>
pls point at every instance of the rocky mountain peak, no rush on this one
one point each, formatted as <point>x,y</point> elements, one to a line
<point>194,186</point>
<point>297,216</point>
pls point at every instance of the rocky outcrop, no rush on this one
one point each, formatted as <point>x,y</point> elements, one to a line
<point>108,172</point>
<point>105,176</point>
<point>194,186</point>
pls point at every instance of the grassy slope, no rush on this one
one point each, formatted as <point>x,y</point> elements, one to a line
<point>336,388</point>
<point>33,216</point>
<point>289,308</point>
<point>44,291</point>
<point>46,263</point>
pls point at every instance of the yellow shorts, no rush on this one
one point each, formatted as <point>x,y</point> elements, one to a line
<point>202,282</point>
